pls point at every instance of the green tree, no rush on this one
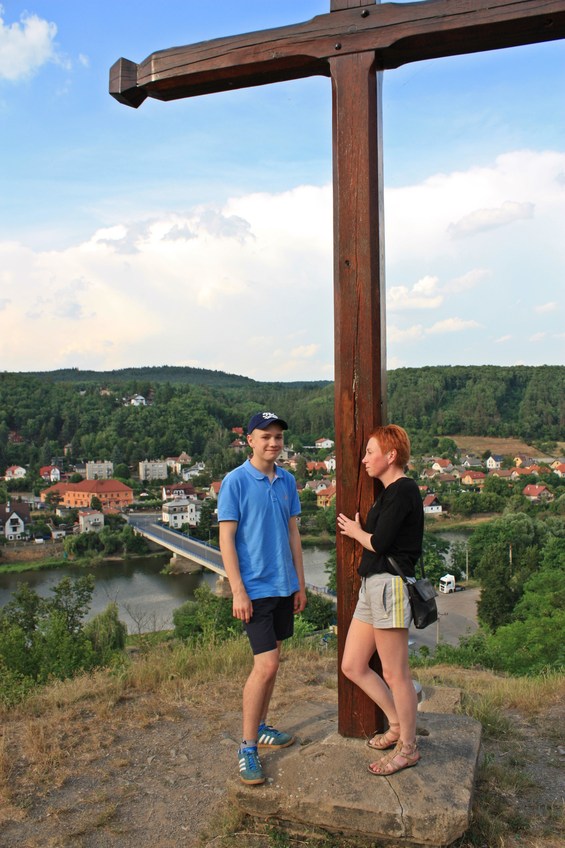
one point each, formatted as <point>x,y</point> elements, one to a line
<point>319,611</point>
<point>44,637</point>
<point>205,530</point>
<point>106,633</point>
<point>498,595</point>
<point>434,554</point>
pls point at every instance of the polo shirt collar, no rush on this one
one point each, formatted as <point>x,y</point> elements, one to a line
<point>259,474</point>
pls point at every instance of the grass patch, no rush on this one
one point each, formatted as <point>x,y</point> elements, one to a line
<point>37,565</point>
<point>530,695</point>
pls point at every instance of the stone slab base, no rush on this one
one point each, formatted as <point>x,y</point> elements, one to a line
<point>321,783</point>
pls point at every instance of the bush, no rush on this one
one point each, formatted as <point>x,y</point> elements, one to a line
<point>106,633</point>
<point>209,617</point>
<point>14,687</point>
<point>320,612</point>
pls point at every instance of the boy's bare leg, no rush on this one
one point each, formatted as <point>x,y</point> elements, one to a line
<point>258,690</point>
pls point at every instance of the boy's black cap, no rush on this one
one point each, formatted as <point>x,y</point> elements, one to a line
<point>262,419</point>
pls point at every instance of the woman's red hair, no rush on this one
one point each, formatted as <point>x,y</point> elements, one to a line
<point>393,437</point>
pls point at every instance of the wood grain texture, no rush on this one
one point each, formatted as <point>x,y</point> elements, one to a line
<point>360,344</point>
<point>397,34</point>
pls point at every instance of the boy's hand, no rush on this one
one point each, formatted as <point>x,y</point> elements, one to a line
<point>300,601</point>
<point>242,607</point>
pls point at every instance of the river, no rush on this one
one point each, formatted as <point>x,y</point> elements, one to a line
<point>146,597</point>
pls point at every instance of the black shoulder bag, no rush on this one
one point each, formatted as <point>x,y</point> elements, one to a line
<point>422,596</point>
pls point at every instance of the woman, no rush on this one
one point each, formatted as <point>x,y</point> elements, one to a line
<point>394,527</point>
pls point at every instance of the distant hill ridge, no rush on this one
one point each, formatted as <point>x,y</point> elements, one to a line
<point>192,408</point>
<point>174,374</point>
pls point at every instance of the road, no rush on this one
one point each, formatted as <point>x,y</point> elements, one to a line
<point>457,617</point>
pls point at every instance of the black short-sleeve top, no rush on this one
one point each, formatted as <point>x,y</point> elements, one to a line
<point>396,524</point>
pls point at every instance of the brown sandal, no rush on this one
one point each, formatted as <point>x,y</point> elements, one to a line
<point>388,739</point>
<point>403,757</point>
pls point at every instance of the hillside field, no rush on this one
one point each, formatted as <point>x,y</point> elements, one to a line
<point>503,447</point>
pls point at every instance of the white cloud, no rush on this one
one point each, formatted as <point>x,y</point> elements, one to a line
<point>247,286</point>
<point>304,351</point>
<point>546,307</point>
<point>452,325</point>
<point>467,281</point>
<point>25,46</point>
<point>202,287</point>
<point>481,220</point>
<point>408,334</point>
<point>423,295</point>
<point>537,337</point>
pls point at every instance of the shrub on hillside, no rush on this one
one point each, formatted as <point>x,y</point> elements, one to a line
<point>45,638</point>
<point>208,617</point>
<point>106,633</point>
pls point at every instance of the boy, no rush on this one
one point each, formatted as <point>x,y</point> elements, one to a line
<point>258,506</point>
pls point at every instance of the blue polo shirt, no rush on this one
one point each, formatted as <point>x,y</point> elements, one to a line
<point>262,510</point>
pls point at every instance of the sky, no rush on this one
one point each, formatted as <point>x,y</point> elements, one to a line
<point>199,232</point>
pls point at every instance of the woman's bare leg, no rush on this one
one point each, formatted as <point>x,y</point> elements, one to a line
<point>359,648</point>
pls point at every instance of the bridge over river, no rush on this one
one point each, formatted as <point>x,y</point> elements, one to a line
<point>202,554</point>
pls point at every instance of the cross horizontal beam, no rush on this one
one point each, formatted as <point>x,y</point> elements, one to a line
<point>396,33</point>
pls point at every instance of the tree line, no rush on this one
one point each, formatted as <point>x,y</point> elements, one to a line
<point>86,415</point>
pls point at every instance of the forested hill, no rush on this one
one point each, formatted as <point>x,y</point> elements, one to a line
<point>524,401</point>
<point>174,374</point>
<point>194,409</point>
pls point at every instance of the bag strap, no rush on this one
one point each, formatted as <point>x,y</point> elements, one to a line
<point>401,573</point>
<point>397,568</point>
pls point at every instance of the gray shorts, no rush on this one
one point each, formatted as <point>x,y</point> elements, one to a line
<point>383,602</point>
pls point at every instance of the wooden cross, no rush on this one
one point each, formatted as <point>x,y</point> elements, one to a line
<point>351,44</point>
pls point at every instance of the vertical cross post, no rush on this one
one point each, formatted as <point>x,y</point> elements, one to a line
<point>359,309</point>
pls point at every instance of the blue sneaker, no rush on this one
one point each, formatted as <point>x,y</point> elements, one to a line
<point>250,770</point>
<point>269,737</point>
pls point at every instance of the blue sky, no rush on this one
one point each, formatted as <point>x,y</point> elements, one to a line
<point>199,232</point>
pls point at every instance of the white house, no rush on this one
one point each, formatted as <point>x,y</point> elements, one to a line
<point>443,466</point>
<point>330,464</point>
<point>432,506</point>
<point>13,521</point>
<point>193,471</point>
<point>15,472</point>
<point>494,461</point>
<point>323,444</point>
<point>50,473</point>
<point>181,511</point>
<point>178,490</point>
<point>90,520</point>
<point>138,400</point>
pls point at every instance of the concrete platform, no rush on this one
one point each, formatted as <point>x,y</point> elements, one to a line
<point>321,783</point>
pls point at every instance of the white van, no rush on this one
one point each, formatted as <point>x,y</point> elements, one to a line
<point>447,584</point>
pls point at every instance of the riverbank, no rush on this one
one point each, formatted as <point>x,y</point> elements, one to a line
<point>16,560</point>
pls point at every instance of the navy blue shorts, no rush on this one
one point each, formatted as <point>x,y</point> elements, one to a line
<point>271,622</point>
